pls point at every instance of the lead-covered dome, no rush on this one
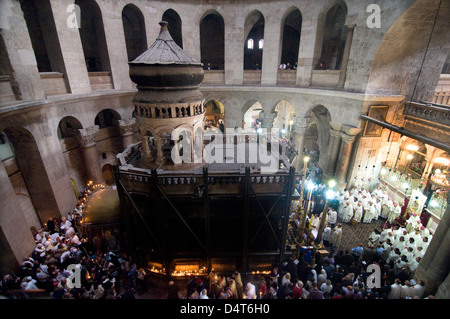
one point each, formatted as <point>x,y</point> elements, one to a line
<point>166,65</point>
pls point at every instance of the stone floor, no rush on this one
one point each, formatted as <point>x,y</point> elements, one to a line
<point>359,233</point>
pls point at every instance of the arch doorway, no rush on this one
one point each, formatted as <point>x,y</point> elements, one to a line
<point>214,114</point>
<point>108,176</point>
<point>251,118</point>
<point>320,118</point>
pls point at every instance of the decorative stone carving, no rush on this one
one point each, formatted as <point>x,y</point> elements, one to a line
<point>86,136</point>
<point>126,126</point>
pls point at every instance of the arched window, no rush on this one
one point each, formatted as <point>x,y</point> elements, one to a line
<point>334,37</point>
<point>134,29</point>
<point>291,37</point>
<point>107,118</point>
<point>174,20</point>
<point>92,36</point>
<point>261,44</point>
<point>44,39</point>
<point>250,44</point>
<point>67,126</point>
<point>254,30</point>
<point>212,41</point>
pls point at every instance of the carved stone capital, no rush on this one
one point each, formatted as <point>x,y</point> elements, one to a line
<point>86,136</point>
<point>301,124</point>
<point>346,138</point>
<point>126,126</point>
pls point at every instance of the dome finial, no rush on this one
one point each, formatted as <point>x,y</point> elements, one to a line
<point>163,25</point>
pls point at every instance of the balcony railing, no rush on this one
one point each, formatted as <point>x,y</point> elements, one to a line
<point>430,112</point>
<point>442,97</point>
<point>396,179</point>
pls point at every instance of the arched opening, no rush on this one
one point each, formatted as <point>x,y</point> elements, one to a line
<point>212,41</point>
<point>166,147</point>
<point>45,42</point>
<point>43,36</point>
<point>107,172</point>
<point>254,31</point>
<point>28,176</point>
<point>107,118</point>
<point>151,144</point>
<point>214,114</point>
<point>175,27</point>
<point>311,145</point>
<point>334,37</point>
<point>251,120</point>
<point>67,126</point>
<point>92,36</point>
<point>320,118</point>
<point>134,29</point>
<point>292,27</point>
<point>283,121</point>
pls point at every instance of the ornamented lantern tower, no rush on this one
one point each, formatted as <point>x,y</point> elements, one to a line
<point>168,97</point>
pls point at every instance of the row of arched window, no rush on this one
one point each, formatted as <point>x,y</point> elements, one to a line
<point>42,30</point>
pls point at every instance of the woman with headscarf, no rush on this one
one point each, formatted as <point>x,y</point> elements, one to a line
<point>250,291</point>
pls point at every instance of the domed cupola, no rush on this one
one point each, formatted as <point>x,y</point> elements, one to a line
<point>168,96</point>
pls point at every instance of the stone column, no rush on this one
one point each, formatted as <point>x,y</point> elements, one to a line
<point>345,152</point>
<point>89,153</point>
<point>267,120</point>
<point>271,52</point>
<point>310,50</point>
<point>25,76</point>
<point>145,149</point>
<point>333,149</point>
<point>443,291</point>
<point>159,155</point>
<point>17,240</point>
<point>126,131</point>
<point>117,50</point>
<point>300,127</point>
<point>71,47</point>
<point>346,55</point>
<point>433,268</point>
<point>234,56</point>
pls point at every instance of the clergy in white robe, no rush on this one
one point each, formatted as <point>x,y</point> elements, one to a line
<point>336,236</point>
<point>332,217</point>
<point>358,211</point>
<point>341,207</point>
<point>386,207</point>
<point>369,213</point>
<point>418,288</point>
<point>396,290</point>
<point>377,192</point>
<point>413,263</point>
<point>377,209</point>
<point>412,222</point>
<point>347,212</point>
<point>419,252</point>
<point>394,213</point>
<point>374,237</point>
<point>384,234</point>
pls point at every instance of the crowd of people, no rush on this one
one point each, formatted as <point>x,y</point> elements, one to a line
<point>310,275</point>
<point>61,253</point>
<point>288,66</point>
